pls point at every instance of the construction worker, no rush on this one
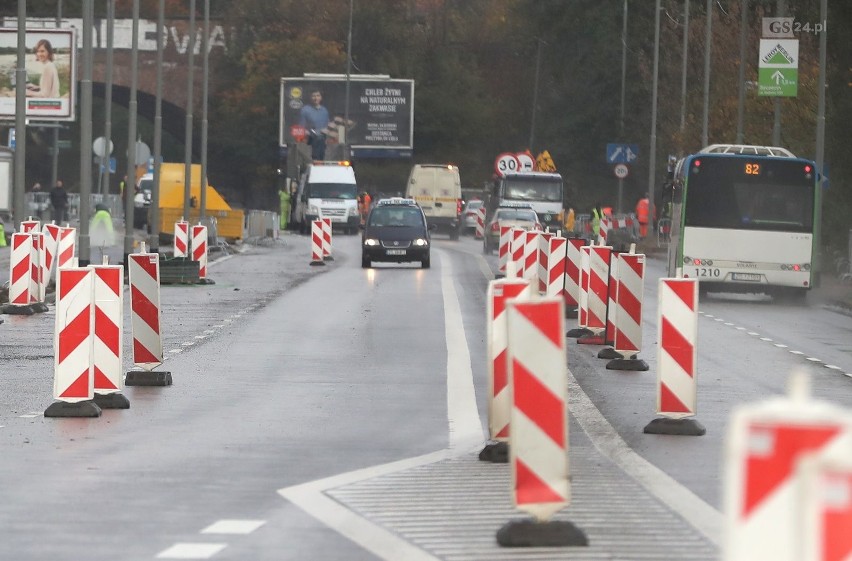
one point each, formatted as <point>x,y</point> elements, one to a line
<point>284,198</point>
<point>2,234</point>
<point>597,214</point>
<point>569,220</point>
<point>364,202</point>
<point>101,231</point>
<point>642,210</point>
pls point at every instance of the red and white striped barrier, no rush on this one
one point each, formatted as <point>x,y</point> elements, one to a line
<point>199,249</point>
<point>538,440</point>
<point>677,335</point>
<point>611,310</point>
<point>19,269</point>
<point>479,233</point>
<point>628,319</point>
<point>764,511</point>
<point>316,243</point>
<point>597,295</point>
<point>543,252</point>
<point>144,274</point>
<point>499,293</point>
<point>608,224</point>
<point>572,275</point>
<point>29,226</point>
<point>51,247</point>
<point>556,267</point>
<point>530,266</point>
<point>73,378</point>
<point>37,285</point>
<point>825,492</point>
<point>326,239</point>
<point>108,298</point>
<point>516,250</point>
<point>67,247</point>
<point>582,328</point>
<point>181,242</point>
<point>503,249</point>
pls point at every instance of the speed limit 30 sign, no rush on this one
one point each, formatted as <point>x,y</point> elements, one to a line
<point>506,163</point>
<point>621,170</point>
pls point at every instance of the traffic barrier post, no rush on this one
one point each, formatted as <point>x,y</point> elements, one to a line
<point>572,277</point>
<point>479,233</point>
<point>677,335</point>
<point>199,252</point>
<point>73,346</point>
<point>530,258</point>
<point>608,352</point>
<point>628,319</point>
<point>108,328</point>
<point>765,519</point>
<point>316,243</point>
<point>326,239</point>
<point>19,276</point>
<point>538,440</point>
<point>38,289</point>
<point>556,268</point>
<point>597,295</point>
<point>67,247</point>
<point>503,251</point>
<point>181,241</point>
<point>30,225</point>
<point>51,247</point>
<point>543,251</point>
<point>144,275</point>
<point>500,291</point>
<point>582,328</point>
<point>824,483</point>
<point>516,250</point>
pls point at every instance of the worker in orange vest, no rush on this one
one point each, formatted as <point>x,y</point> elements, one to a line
<point>364,202</point>
<point>642,211</point>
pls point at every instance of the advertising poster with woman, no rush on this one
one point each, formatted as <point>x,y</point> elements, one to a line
<point>50,68</point>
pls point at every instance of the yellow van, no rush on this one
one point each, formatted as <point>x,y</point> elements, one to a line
<point>437,189</point>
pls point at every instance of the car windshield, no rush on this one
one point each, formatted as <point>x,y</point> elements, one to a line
<point>333,190</point>
<point>516,214</point>
<point>396,216</point>
<point>474,205</point>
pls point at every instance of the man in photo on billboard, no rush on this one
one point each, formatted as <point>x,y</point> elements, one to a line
<point>48,84</point>
<point>314,118</point>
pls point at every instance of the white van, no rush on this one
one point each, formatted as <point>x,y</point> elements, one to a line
<point>328,190</point>
<point>437,189</point>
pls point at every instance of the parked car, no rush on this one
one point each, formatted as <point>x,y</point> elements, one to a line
<point>470,213</point>
<point>515,217</point>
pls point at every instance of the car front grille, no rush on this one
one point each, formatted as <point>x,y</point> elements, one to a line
<point>396,244</point>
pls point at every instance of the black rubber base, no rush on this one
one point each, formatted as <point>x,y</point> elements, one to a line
<point>495,452</point>
<point>578,332</point>
<point>76,409</point>
<point>633,363</point>
<point>677,427</point>
<point>609,353</point>
<point>591,339</point>
<point>529,533</point>
<point>328,258</point>
<point>317,264</point>
<point>146,378</point>
<point>113,400</point>
<point>206,281</point>
<point>39,307</point>
<point>17,310</point>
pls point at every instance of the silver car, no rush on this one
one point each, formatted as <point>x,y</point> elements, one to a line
<point>514,217</point>
<point>469,215</point>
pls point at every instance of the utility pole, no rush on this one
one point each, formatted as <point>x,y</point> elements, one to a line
<point>741,101</point>
<point>708,46</point>
<point>653,152</point>
<point>683,63</point>
<point>54,160</point>
<point>83,248</point>
<point>346,154</point>
<point>103,184</point>
<point>619,199</point>
<point>820,139</point>
<point>187,155</point>
<point>154,237</point>
<point>21,115</point>
<point>130,181</point>
<point>780,11</point>
<point>202,211</point>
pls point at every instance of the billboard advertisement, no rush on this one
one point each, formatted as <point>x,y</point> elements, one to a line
<point>381,114</point>
<point>51,73</point>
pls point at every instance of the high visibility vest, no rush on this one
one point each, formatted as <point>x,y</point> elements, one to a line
<point>596,222</point>
<point>2,235</point>
<point>642,211</point>
<point>569,220</point>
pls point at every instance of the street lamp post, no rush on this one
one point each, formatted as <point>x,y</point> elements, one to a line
<point>83,246</point>
<point>653,156</point>
<point>20,115</point>
<point>187,157</point>
<point>130,182</point>
<point>345,129</point>
<point>202,210</point>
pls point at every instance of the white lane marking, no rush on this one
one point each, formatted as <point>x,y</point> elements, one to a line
<point>188,343</point>
<point>228,526</point>
<point>209,331</point>
<point>31,415</point>
<point>465,428</point>
<point>833,367</point>
<point>386,545</point>
<point>176,351</point>
<point>812,359</point>
<point>796,352</point>
<point>753,333</point>
<point>669,491</point>
<point>192,551</point>
<point>718,319</point>
<point>741,328</point>
<point>463,415</point>
<point>201,336</point>
<point>767,339</point>
<point>729,324</point>
<point>780,346</point>
<point>219,326</point>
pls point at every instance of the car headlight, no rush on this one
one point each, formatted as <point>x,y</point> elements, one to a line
<point>420,242</point>
<point>371,242</point>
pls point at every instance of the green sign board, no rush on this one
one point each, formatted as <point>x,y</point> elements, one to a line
<point>778,82</point>
<point>778,69</point>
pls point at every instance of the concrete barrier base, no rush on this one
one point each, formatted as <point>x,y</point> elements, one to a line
<point>206,281</point>
<point>592,339</point>
<point>495,452</point>
<point>578,332</point>
<point>76,409</point>
<point>317,264</point>
<point>678,427</point>
<point>146,378</point>
<point>529,533</point>
<point>113,400</point>
<point>17,310</point>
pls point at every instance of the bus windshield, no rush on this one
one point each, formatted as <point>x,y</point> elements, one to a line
<point>750,194</point>
<point>529,189</point>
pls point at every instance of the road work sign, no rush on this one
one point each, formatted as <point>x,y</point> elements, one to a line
<point>778,69</point>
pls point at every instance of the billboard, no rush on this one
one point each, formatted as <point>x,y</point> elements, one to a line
<point>51,73</point>
<point>381,113</point>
